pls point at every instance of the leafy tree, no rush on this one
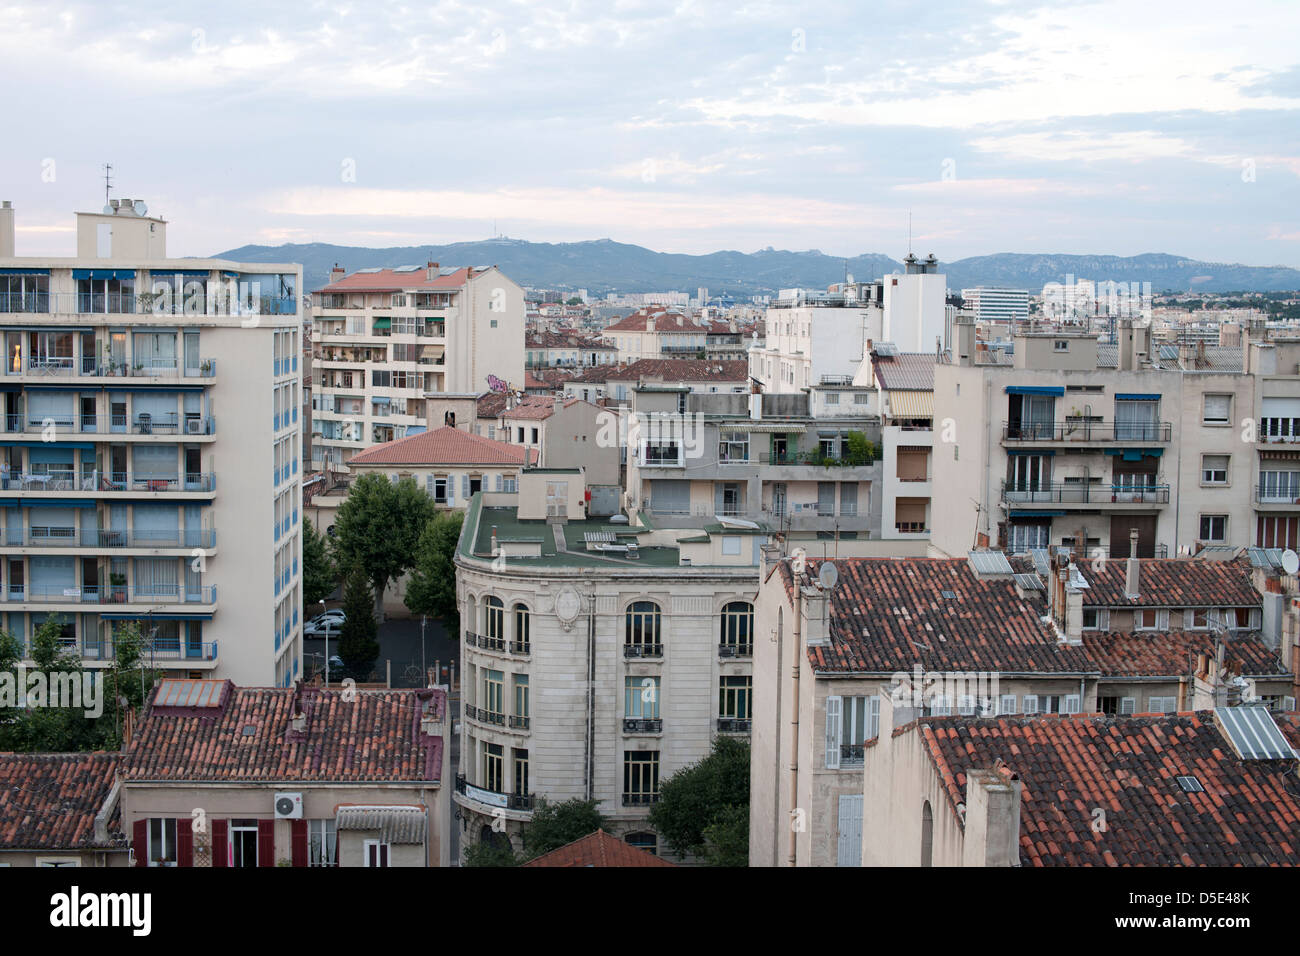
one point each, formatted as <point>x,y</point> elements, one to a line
<point>575,300</point>
<point>358,644</point>
<point>491,853</point>
<point>432,585</point>
<point>556,824</point>
<point>711,793</point>
<point>319,572</point>
<point>859,450</point>
<point>378,527</point>
<point>726,839</point>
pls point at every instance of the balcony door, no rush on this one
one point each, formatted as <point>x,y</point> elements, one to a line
<point>1029,472</point>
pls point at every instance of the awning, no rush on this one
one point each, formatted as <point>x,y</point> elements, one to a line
<point>24,272</point>
<point>1021,451</point>
<point>1136,454</point>
<point>1035,389</point>
<point>766,428</point>
<point>383,323</point>
<point>381,400</point>
<point>1136,397</point>
<point>57,503</point>
<point>911,404</point>
<point>144,616</point>
<point>58,445</point>
<point>415,430</point>
<point>395,824</point>
<point>6,387</point>
<point>180,272</point>
<point>1037,514</point>
<point>103,273</point>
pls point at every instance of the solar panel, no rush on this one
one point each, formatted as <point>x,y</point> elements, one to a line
<point>886,348</point>
<point>407,269</point>
<point>369,270</point>
<point>189,693</point>
<point>1042,560</point>
<point>989,562</point>
<point>1030,582</point>
<point>1265,557</point>
<point>1253,734</point>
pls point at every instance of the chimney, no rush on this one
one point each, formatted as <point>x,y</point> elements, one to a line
<point>337,273</point>
<point>992,818</point>
<point>299,722</point>
<point>6,230</point>
<point>431,271</point>
<point>1132,583</point>
<point>965,341</point>
<point>1127,346</point>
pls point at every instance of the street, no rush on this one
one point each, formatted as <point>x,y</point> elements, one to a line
<point>399,643</point>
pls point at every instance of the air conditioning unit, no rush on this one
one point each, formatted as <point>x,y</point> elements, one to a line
<point>288,806</point>
<point>193,426</point>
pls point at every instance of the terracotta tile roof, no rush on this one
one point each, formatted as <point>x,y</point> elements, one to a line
<point>1174,653</point>
<point>388,280</point>
<point>682,370</point>
<point>493,405</point>
<point>888,615</point>
<point>905,371</point>
<point>547,339</point>
<point>1171,582</point>
<point>50,801</point>
<point>444,446</point>
<point>1289,724</point>
<point>665,321</point>
<point>374,737</point>
<point>598,849</point>
<point>1248,814</point>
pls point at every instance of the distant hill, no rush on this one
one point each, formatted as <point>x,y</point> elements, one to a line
<point>603,265</point>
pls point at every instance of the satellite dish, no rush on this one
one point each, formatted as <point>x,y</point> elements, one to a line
<point>828,575</point>
<point>108,210</point>
<point>1290,561</point>
<point>139,207</point>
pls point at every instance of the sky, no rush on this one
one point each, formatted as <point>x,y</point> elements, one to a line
<point>1074,127</point>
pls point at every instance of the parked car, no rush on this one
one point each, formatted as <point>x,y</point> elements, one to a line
<point>316,627</point>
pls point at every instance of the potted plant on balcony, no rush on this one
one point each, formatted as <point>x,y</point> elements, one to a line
<point>118,594</point>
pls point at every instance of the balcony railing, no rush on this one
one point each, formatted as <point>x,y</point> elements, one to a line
<point>1277,496</point>
<point>220,302</point>
<point>495,798</point>
<point>912,527</point>
<point>485,642</point>
<point>818,459</point>
<point>40,536</point>
<point>734,725</point>
<point>1082,493</point>
<point>642,725</point>
<point>851,755</point>
<point>90,367</point>
<point>519,723</point>
<point>114,594</point>
<point>484,716</point>
<point>522,648</point>
<point>174,649</point>
<point>1087,431</point>
<point>735,650</point>
<point>643,650</point>
<point>61,480</point>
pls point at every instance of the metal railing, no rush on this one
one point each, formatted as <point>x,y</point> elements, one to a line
<point>90,367</point>
<point>912,527</point>
<point>643,650</point>
<point>485,716</point>
<point>734,725</point>
<point>1087,431</point>
<point>513,801</point>
<point>735,650</point>
<point>851,755</point>
<point>220,302</point>
<point>817,459</point>
<point>1061,492</point>
<point>519,723</point>
<point>1277,496</point>
<point>640,799</point>
<point>121,594</point>
<point>62,480</point>
<point>177,648</point>
<point>47,536</point>
<point>642,725</point>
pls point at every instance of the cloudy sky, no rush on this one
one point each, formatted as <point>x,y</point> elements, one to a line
<point>1087,127</point>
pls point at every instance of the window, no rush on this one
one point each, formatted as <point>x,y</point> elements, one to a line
<point>1031,704</point>
<point>640,698</point>
<point>1214,469</point>
<point>322,843</point>
<point>643,841</point>
<point>1096,618</point>
<point>1161,705</point>
<point>1197,619</point>
<point>733,446</point>
<point>1217,410</point>
<point>1214,528</point>
<point>520,760</point>
<point>1061,345</point>
<point>848,498</point>
<point>826,498</point>
<point>640,777</point>
<point>162,841</point>
<point>832,398</point>
<point>737,629</point>
<point>730,544</point>
<point>493,695</point>
<point>1151,619</point>
<point>641,636</point>
<point>521,700</point>
<point>1007,704</point>
<point>736,697</point>
<point>1024,537</point>
<point>440,490</point>
<point>850,723</point>
<point>494,621</point>
<point>520,644</point>
<point>243,842</point>
<point>376,853</point>
<point>494,770</point>
<point>861,398</point>
<point>1279,486</point>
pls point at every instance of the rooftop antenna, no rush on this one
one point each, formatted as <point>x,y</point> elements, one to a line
<point>108,181</point>
<point>909,232</point>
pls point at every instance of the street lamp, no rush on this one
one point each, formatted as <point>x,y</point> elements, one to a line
<point>327,645</point>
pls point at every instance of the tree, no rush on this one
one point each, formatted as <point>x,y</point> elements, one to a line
<point>378,527</point>
<point>575,300</point>
<point>319,572</point>
<point>556,824</point>
<point>709,795</point>
<point>859,450</point>
<point>358,645</point>
<point>726,839</point>
<point>432,586</point>
<point>491,853</point>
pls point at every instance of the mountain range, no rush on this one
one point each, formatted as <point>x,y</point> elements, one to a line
<point>602,266</point>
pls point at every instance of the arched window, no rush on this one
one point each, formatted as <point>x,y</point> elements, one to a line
<point>641,638</point>
<point>494,622</point>
<point>927,835</point>
<point>737,630</point>
<point>520,644</point>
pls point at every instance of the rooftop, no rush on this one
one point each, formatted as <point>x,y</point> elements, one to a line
<point>1174,653</point>
<point>1170,582</point>
<point>401,280</point>
<point>598,849</point>
<point>905,371</point>
<point>680,370</point>
<point>50,801</point>
<point>445,446</point>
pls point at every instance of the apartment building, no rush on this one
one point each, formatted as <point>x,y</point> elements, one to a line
<point>1081,790</point>
<point>1078,443</point>
<point>555,349</point>
<point>1006,306</point>
<point>814,337</point>
<point>146,402</point>
<point>783,461</point>
<point>598,657</point>
<point>564,433</point>
<point>327,778</point>
<point>384,338</point>
<point>978,635</point>
<point>906,388</point>
<point>616,384</point>
<point>656,332</point>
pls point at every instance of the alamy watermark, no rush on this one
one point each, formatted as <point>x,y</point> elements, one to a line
<point>24,689</point>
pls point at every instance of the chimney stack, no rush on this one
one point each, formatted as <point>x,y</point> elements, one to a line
<point>1132,583</point>
<point>6,230</point>
<point>992,818</point>
<point>431,271</point>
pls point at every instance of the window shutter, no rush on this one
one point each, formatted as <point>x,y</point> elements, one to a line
<point>184,842</point>
<point>1007,705</point>
<point>873,717</point>
<point>1031,703</point>
<point>266,843</point>
<point>140,842</point>
<point>428,483</point>
<point>219,851</point>
<point>1103,618</point>
<point>1072,704</point>
<point>1189,619</point>
<point>1162,619</point>
<point>832,733</point>
<point>464,487</point>
<point>1288,704</point>
<point>1127,705</point>
<point>298,829</point>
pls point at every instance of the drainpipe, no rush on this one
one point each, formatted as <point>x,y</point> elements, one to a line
<point>794,715</point>
<point>591,696</point>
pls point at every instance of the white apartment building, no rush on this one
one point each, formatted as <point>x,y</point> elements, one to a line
<point>597,659</point>
<point>816,338</point>
<point>906,384</point>
<point>384,338</point>
<point>997,305</point>
<point>144,398</point>
<point>914,306</point>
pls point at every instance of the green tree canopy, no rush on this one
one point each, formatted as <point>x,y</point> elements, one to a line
<point>319,572</point>
<point>699,806</point>
<point>553,825</point>
<point>432,585</point>
<point>358,644</point>
<point>378,527</point>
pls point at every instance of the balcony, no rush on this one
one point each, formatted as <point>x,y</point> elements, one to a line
<point>1081,431</point>
<point>521,648</point>
<point>73,425</point>
<point>640,799</point>
<point>485,716</point>
<point>162,651</point>
<point>735,650</point>
<point>217,298</point>
<point>642,725</point>
<point>519,723</point>
<point>67,367</point>
<point>911,527</point>
<point>124,482</point>
<point>494,798</point>
<point>673,459</point>
<point>734,725</point>
<point>1277,496</point>
<point>819,459</point>
<point>1080,493</point>
<point>851,755</point>
<point>40,536</point>
<point>115,594</point>
<point>485,642</point>
<point>643,650</point>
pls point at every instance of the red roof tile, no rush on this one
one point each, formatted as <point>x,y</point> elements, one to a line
<point>681,370</point>
<point>50,801</point>
<point>1248,814</point>
<point>1174,653</point>
<point>1170,582</point>
<point>445,446</point>
<point>598,849</point>
<point>388,280</point>
<point>374,736</point>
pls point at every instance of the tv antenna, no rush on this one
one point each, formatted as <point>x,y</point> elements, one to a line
<point>108,180</point>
